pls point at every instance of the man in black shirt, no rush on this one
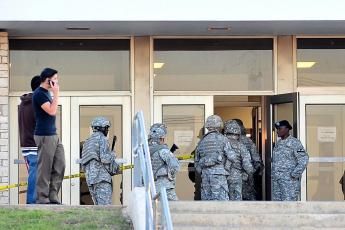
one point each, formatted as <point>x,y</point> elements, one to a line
<point>51,154</point>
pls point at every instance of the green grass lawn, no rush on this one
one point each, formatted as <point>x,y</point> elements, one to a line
<point>16,218</point>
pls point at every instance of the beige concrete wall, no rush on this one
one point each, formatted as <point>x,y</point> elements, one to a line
<point>4,156</point>
<point>142,77</point>
<point>285,65</point>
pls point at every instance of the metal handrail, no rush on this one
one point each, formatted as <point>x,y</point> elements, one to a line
<point>143,175</point>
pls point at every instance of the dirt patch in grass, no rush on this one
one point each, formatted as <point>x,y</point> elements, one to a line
<point>16,218</point>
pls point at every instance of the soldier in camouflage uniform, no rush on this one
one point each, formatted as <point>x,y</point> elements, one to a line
<point>164,164</point>
<point>248,186</point>
<point>212,152</point>
<point>288,163</point>
<point>242,168</point>
<point>98,162</point>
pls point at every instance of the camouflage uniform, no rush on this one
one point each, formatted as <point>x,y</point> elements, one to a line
<point>212,152</point>
<point>248,186</point>
<point>164,164</point>
<point>99,164</point>
<point>288,163</point>
<point>241,168</point>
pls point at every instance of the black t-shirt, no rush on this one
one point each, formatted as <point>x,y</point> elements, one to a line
<point>45,124</point>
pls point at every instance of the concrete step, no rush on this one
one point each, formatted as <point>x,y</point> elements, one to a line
<point>258,221</point>
<point>202,215</point>
<point>178,227</point>
<point>257,207</point>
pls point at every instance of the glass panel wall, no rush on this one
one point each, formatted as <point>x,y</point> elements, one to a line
<point>102,65</point>
<point>320,62</point>
<point>213,64</point>
<point>185,127</point>
<point>325,146</point>
<point>114,114</point>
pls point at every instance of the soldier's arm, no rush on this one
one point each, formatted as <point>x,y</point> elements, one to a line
<point>302,160</point>
<point>169,158</point>
<point>229,151</point>
<point>257,162</point>
<point>246,160</point>
<point>106,156</point>
<point>197,160</point>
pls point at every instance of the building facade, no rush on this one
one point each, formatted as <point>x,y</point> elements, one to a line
<point>179,65</point>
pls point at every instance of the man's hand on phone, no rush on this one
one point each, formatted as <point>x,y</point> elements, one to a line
<point>54,86</point>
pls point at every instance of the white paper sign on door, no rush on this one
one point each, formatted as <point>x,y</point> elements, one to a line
<point>183,137</point>
<point>326,134</point>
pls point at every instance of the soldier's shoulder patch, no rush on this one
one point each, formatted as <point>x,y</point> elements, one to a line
<point>301,150</point>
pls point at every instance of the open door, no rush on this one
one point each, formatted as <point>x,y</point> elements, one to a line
<point>278,107</point>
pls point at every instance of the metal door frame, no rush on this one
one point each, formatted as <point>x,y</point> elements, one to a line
<point>270,102</point>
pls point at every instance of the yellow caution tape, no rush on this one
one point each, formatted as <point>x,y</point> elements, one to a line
<point>185,157</point>
<point>4,187</point>
<point>124,167</point>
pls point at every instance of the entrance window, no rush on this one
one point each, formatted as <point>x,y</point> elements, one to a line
<point>325,145</point>
<point>83,65</point>
<point>114,114</point>
<point>213,64</point>
<point>320,62</point>
<point>185,128</point>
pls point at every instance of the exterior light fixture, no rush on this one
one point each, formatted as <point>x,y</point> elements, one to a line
<point>305,64</point>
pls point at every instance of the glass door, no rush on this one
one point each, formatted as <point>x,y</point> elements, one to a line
<point>322,132</point>
<point>185,118</point>
<point>18,172</point>
<point>118,111</point>
<point>278,107</point>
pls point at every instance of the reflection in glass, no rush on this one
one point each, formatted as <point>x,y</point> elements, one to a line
<point>184,124</point>
<point>78,70</point>
<point>323,181</point>
<point>114,114</point>
<point>213,64</point>
<point>283,112</point>
<point>320,62</point>
<point>325,145</point>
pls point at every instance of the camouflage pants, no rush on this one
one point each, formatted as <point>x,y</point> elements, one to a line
<point>101,193</point>
<point>214,187</point>
<point>248,189</point>
<point>235,184</point>
<point>169,186</point>
<point>285,189</point>
<point>171,194</point>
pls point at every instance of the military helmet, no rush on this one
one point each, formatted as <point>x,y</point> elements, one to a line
<point>159,125</point>
<point>214,121</point>
<point>100,122</point>
<point>232,127</point>
<point>157,131</point>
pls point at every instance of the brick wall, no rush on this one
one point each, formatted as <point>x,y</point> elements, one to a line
<point>4,144</point>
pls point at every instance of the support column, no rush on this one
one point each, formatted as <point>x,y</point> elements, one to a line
<point>4,144</point>
<point>142,96</point>
<point>286,68</point>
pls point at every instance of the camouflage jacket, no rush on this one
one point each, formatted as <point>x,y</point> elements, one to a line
<point>251,147</point>
<point>242,160</point>
<point>164,163</point>
<point>212,152</point>
<point>101,164</point>
<point>289,158</point>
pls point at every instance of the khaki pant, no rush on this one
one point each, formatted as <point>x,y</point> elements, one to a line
<point>50,168</point>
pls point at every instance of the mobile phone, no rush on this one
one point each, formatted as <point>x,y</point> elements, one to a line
<point>50,82</point>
